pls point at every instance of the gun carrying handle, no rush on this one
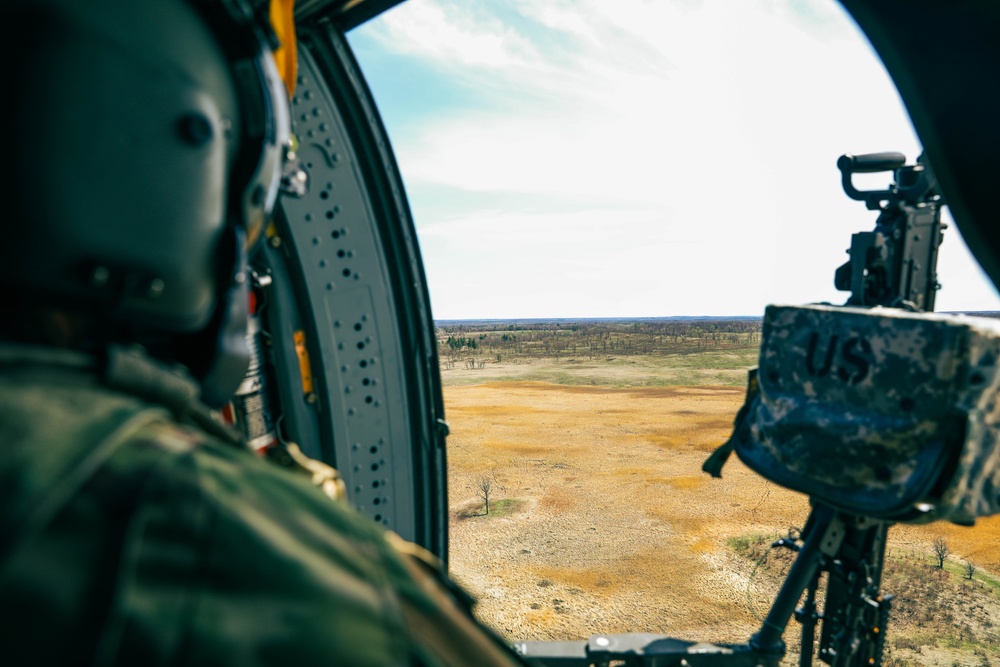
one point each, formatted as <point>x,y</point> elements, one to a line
<point>868,163</point>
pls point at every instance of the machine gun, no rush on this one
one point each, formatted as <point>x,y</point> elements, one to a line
<point>879,412</point>
<point>894,265</point>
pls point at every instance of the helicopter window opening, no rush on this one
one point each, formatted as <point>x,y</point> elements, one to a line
<point>563,160</point>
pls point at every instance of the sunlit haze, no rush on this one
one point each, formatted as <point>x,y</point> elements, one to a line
<point>629,158</point>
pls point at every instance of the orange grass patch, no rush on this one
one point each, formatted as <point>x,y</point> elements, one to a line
<point>602,580</point>
<point>558,499</point>
<point>687,481</point>
<point>525,448</point>
<point>628,471</point>
<point>493,411</point>
<point>702,545</point>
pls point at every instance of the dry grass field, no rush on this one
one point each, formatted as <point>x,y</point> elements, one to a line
<point>601,520</point>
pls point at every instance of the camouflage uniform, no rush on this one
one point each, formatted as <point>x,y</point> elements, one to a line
<point>137,530</point>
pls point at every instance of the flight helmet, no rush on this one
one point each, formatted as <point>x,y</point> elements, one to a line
<point>148,139</point>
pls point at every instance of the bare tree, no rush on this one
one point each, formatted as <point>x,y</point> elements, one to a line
<point>485,486</point>
<point>941,551</point>
<point>970,570</point>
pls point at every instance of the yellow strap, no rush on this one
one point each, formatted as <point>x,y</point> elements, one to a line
<point>326,477</point>
<point>413,550</point>
<point>283,22</point>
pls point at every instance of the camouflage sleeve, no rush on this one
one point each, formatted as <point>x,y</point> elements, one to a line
<point>232,561</point>
<point>438,612</point>
<point>128,539</point>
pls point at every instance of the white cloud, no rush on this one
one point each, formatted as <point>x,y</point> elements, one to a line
<point>716,125</point>
<point>438,32</point>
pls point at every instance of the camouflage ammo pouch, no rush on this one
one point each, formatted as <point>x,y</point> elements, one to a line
<point>878,412</point>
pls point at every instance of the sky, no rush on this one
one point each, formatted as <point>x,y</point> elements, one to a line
<point>637,158</point>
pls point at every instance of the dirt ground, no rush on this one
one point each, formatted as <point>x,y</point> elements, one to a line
<point>602,520</point>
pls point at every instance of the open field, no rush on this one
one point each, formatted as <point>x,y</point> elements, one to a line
<point>602,521</point>
<point>620,530</point>
<point>718,367</point>
<point>612,354</point>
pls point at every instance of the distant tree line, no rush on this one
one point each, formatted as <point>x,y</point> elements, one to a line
<point>591,339</point>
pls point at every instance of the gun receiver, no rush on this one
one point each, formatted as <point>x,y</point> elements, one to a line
<point>896,264</point>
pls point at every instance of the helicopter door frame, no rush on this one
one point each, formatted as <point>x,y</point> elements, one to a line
<point>346,310</point>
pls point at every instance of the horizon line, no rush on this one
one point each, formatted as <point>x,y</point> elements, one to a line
<point>992,313</point>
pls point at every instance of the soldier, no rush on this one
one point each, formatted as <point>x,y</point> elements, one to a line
<point>147,146</point>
